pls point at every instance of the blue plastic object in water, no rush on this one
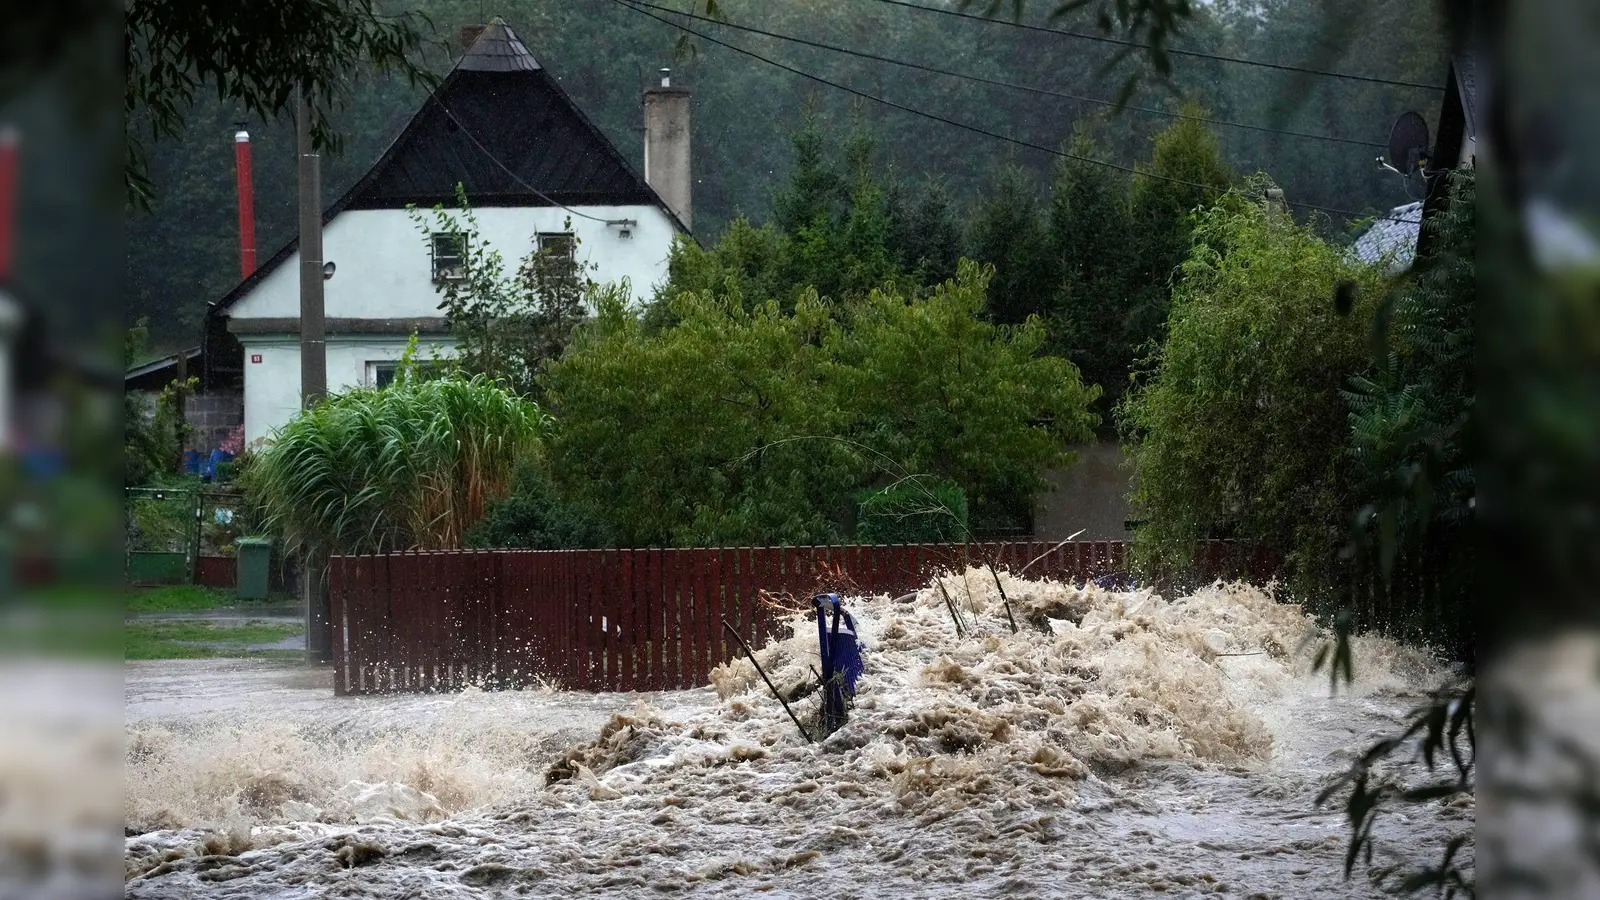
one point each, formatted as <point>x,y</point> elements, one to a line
<point>841,659</point>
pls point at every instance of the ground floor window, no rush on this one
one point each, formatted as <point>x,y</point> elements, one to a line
<point>380,372</point>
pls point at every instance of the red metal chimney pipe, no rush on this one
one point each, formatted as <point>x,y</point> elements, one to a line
<point>8,197</point>
<point>247,204</point>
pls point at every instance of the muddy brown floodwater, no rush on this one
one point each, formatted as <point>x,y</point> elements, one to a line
<point>1120,745</point>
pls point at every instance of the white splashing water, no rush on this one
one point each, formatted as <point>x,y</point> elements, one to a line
<point>1119,742</point>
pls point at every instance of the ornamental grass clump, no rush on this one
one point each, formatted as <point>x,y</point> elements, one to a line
<point>411,466</point>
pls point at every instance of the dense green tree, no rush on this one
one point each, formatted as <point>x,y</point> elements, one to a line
<point>1241,431</point>
<point>534,516</point>
<point>1184,173</point>
<point>754,259</point>
<point>685,435</point>
<point>936,387</point>
<point>1092,236</point>
<point>1009,232</point>
<point>1409,416</point>
<point>815,186</point>
<point>928,237</point>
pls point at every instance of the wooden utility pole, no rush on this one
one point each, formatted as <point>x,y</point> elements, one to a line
<point>313,362</point>
<point>313,344</point>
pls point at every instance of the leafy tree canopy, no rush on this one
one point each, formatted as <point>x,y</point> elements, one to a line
<point>750,423</point>
<point>259,57</point>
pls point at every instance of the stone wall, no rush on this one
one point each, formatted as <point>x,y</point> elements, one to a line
<point>213,415</point>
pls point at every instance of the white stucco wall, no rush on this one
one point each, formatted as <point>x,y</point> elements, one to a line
<point>384,264</point>
<point>385,272</point>
<point>272,386</point>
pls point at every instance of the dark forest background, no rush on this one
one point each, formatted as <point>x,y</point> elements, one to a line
<point>183,252</point>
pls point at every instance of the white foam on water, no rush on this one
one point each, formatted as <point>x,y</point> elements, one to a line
<point>1116,742</point>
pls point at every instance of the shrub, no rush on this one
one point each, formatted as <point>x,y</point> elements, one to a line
<point>534,517</point>
<point>410,466</point>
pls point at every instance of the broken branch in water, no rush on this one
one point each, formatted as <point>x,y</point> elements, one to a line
<point>955,614</point>
<point>1003,598</point>
<point>762,672</point>
<point>1051,550</point>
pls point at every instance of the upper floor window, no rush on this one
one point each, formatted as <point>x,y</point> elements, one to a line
<point>558,251</point>
<point>449,256</point>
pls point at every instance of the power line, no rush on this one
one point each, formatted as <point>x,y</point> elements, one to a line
<point>1121,42</point>
<point>514,176</point>
<point>1004,84</point>
<point>962,125</point>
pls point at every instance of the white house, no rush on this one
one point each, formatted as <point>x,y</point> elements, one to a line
<point>530,162</point>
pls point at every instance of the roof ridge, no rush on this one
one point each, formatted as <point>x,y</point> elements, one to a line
<point>497,49</point>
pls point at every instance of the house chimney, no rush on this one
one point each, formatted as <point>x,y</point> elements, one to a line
<point>1273,202</point>
<point>666,145</point>
<point>8,197</point>
<point>247,203</point>
<point>469,34</point>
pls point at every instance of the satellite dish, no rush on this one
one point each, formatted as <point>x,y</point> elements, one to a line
<point>1408,143</point>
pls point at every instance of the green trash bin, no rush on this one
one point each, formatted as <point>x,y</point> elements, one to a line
<point>255,562</point>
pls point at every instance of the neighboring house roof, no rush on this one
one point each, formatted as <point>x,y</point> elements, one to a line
<point>498,124</point>
<point>1556,239</point>
<point>1392,241</point>
<point>155,374</point>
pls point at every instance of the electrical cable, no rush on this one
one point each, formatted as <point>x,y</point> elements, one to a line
<point>1004,84</point>
<point>514,176</point>
<point>1216,57</point>
<point>972,128</point>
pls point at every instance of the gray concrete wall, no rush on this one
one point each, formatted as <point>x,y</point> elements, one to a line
<point>1091,495</point>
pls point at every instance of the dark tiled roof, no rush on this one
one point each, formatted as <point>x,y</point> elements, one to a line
<point>507,137</point>
<point>500,126</point>
<point>503,128</point>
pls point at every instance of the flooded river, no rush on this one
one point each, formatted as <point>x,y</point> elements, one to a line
<point>1119,744</point>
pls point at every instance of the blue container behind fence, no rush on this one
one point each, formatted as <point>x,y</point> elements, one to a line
<point>208,470</point>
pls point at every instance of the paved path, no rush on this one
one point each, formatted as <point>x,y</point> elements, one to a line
<point>230,615</point>
<point>234,616</point>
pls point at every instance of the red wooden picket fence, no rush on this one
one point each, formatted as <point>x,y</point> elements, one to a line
<point>633,620</point>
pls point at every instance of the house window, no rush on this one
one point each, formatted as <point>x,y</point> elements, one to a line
<point>381,372</point>
<point>449,256</point>
<point>559,250</point>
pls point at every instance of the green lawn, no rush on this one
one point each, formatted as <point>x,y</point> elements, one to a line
<point>178,639</point>
<point>188,596</point>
